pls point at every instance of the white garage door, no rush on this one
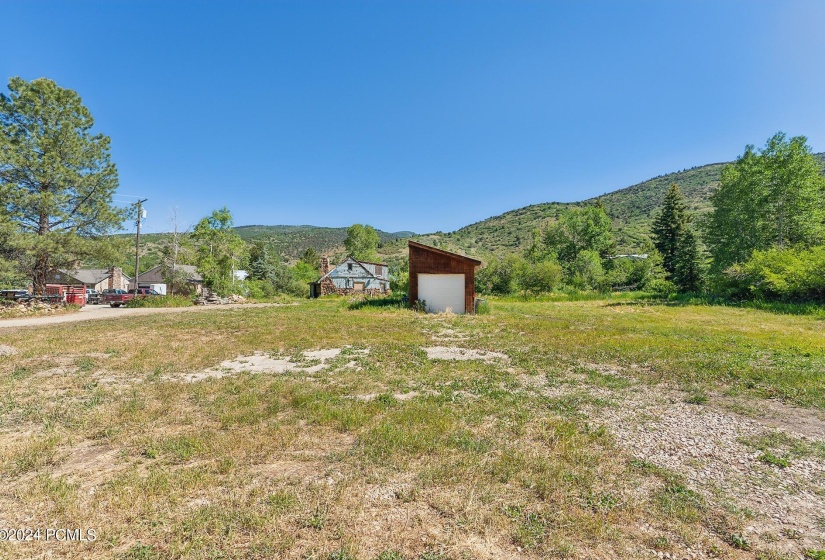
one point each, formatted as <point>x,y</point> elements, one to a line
<point>442,291</point>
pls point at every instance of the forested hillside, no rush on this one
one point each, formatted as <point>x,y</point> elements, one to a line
<point>292,241</point>
<point>631,209</point>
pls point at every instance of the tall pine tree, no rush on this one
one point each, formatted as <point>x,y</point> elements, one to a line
<point>56,178</point>
<point>669,226</point>
<point>675,240</point>
<point>689,266</point>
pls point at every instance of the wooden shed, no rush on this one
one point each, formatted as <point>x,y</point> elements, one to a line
<point>442,279</point>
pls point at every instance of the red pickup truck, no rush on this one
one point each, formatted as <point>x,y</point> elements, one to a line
<point>116,297</point>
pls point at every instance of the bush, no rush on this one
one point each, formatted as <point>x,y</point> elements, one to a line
<point>499,276</point>
<point>540,278</point>
<point>780,274</point>
<point>259,289</point>
<point>587,272</point>
<point>661,287</point>
<point>400,282</point>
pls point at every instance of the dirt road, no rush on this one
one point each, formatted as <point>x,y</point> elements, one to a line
<point>92,312</point>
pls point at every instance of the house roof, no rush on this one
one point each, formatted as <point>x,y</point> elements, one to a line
<point>90,275</point>
<point>370,262</point>
<point>351,258</point>
<point>191,272</point>
<point>442,252</point>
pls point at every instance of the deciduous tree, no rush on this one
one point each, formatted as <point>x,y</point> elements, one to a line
<point>580,229</point>
<point>772,197</point>
<point>362,242</point>
<point>220,250</point>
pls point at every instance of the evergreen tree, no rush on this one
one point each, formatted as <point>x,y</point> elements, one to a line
<point>311,257</point>
<point>56,178</point>
<point>669,227</point>
<point>688,266</point>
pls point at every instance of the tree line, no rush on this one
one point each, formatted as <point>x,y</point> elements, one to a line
<point>763,238</point>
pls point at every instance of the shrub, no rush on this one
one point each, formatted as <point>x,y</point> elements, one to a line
<point>587,272</point>
<point>780,274</point>
<point>499,276</point>
<point>661,287</point>
<point>540,277</point>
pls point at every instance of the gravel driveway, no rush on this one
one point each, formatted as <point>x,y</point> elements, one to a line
<point>92,312</point>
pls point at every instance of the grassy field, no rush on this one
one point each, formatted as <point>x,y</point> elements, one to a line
<point>336,431</point>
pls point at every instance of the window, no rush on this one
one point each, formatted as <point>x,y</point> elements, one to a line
<point>349,267</point>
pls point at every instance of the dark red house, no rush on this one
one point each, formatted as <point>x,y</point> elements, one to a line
<point>442,279</point>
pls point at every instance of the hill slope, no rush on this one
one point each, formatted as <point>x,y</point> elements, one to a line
<point>632,210</point>
<point>291,241</point>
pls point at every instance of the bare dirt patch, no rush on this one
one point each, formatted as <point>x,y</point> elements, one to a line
<point>461,354</point>
<point>90,463</point>
<point>310,361</point>
<point>449,335</point>
<point>7,350</point>
<point>807,422</point>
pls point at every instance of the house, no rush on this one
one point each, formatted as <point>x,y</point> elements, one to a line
<point>351,277</point>
<point>155,276</point>
<point>92,278</point>
<point>444,280</point>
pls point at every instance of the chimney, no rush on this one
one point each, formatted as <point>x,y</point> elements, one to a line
<point>116,277</point>
<point>324,265</point>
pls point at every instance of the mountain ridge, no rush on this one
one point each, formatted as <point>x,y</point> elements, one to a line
<point>631,209</point>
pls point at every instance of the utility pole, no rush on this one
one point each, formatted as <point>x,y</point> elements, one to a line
<point>137,242</point>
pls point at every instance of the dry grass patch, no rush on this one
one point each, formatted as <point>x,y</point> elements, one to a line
<point>381,454</point>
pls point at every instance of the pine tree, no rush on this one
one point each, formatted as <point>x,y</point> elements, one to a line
<point>669,226</point>
<point>56,177</point>
<point>689,269</point>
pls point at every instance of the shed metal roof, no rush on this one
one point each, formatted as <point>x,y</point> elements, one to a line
<point>442,252</point>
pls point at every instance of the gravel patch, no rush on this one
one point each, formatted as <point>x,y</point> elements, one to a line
<point>782,506</point>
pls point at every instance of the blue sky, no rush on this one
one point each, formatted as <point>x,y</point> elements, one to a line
<point>419,116</point>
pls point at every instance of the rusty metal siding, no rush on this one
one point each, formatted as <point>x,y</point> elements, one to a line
<point>429,260</point>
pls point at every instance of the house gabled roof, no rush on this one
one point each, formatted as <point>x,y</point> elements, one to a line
<point>370,262</point>
<point>190,270</point>
<point>367,270</point>
<point>442,252</point>
<point>90,275</point>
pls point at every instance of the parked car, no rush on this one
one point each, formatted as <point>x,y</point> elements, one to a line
<point>93,297</point>
<point>147,292</point>
<point>116,297</point>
